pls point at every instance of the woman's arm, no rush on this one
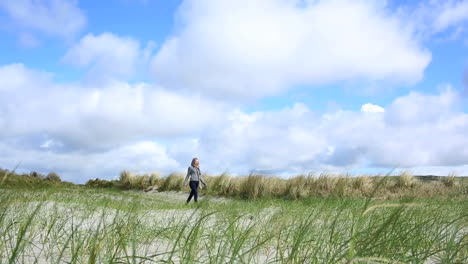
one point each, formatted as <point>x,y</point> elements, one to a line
<point>202,181</point>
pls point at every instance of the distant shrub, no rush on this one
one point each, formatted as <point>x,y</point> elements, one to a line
<point>31,180</point>
<point>52,176</point>
<point>98,183</point>
<point>130,180</point>
<point>36,175</point>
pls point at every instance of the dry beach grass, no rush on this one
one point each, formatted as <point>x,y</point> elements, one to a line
<point>335,220</point>
<point>302,186</point>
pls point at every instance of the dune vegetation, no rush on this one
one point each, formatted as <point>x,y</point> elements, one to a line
<point>302,186</point>
<point>252,219</point>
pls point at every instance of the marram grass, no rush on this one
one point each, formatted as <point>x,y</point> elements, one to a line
<point>82,225</point>
<point>256,186</point>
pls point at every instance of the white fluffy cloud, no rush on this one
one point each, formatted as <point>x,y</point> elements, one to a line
<point>433,17</point>
<point>61,18</point>
<point>97,117</point>
<point>108,55</point>
<point>14,77</point>
<point>419,109</point>
<point>258,48</point>
<point>452,13</point>
<point>371,108</point>
<point>88,132</point>
<point>297,140</point>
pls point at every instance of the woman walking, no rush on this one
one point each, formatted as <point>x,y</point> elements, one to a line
<point>194,174</point>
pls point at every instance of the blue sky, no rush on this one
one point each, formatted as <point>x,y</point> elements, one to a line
<point>91,88</point>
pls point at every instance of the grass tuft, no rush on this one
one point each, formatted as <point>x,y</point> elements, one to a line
<point>173,182</point>
<point>406,180</point>
<point>450,180</point>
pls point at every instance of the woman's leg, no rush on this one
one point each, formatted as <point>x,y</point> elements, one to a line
<point>196,191</point>
<point>193,191</point>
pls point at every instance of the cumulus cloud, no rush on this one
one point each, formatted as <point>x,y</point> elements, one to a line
<point>268,141</point>
<point>61,18</point>
<point>14,77</point>
<point>298,140</point>
<point>371,108</point>
<point>240,49</point>
<point>419,109</point>
<point>90,117</point>
<point>88,132</point>
<point>452,13</point>
<point>108,55</point>
<point>434,17</point>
